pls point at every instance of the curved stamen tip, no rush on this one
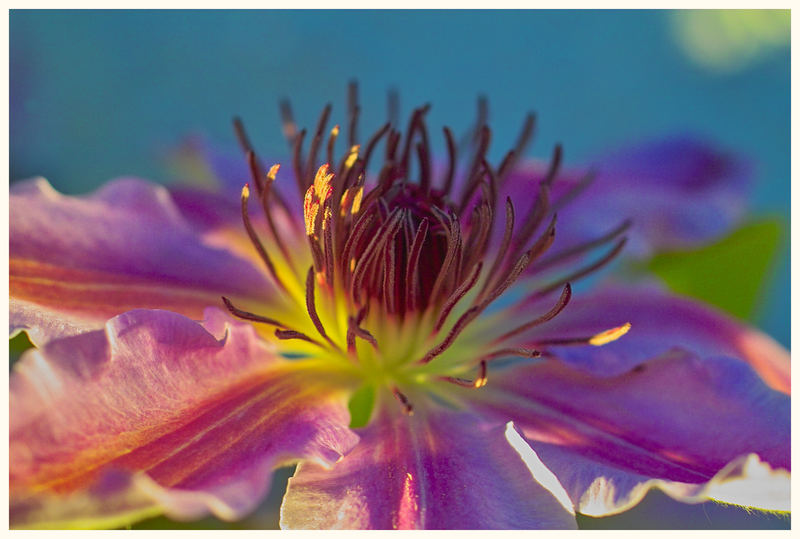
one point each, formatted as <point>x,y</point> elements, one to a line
<point>477,383</point>
<point>408,409</point>
<point>246,191</point>
<point>610,335</point>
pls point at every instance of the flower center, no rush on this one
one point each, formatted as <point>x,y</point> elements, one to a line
<point>404,265</point>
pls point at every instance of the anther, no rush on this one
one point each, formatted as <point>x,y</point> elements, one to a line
<point>598,339</point>
<point>408,409</point>
<point>477,383</point>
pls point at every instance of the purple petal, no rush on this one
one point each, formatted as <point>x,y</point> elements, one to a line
<point>661,323</point>
<point>227,171</point>
<point>679,420</point>
<point>678,192</point>
<point>432,471</point>
<point>194,416</point>
<point>123,247</point>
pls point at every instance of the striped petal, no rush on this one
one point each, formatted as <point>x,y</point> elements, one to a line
<point>695,428</point>
<point>125,246</point>
<point>661,322</point>
<point>158,412</point>
<point>443,471</point>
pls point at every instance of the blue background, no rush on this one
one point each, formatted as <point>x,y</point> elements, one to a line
<point>98,94</point>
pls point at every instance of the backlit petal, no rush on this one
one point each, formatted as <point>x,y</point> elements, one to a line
<point>660,323</point>
<point>123,247</point>
<point>445,471</point>
<point>675,422</point>
<point>159,409</point>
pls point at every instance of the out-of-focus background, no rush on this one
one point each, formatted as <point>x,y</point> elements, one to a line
<point>100,94</point>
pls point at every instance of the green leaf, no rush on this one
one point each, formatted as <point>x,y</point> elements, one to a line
<point>729,274</point>
<point>360,405</point>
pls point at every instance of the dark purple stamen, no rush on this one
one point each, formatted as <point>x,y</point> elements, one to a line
<point>401,244</point>
<point>403,400</point>
<point>478,382</point>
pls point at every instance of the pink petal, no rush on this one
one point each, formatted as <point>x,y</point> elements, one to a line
<point>660,323</point>
<point>435,471</point>
<point>194,416</point>
<point>674,419</point>
<point>125,246</point>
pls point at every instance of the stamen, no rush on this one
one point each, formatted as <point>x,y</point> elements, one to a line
<point>256,241</point>
<point>288,334</point>
<point>456,296</point>
<point>562,302</point>
<point>389,271</point>
<point>451,161</point>
<point>455,331</point>
<point>555,164</point>
<point>532,221</point>
<point>374,141</point>
<point>403,400</point>
<point>255,171</point>
<point>503,244</point>
<point>332,141</point>
<point>583,272</point>
<point>477,383</point>
<point>312,308</point>
<point>541,245</point>
<point>315,142</point>
<point>523,141</point>
<point>599,339</point>
<point>412,269</point>
<point>610,335</point>
<point>473,174</point>
<point>555,258</point>
<point>515,351</point>
<point>297,159</point>
<point>416,118</point>
<point>353,111</point>
<point>245,315</point>
<point>511,277</point>
<point>453,232</point>
<point>573,193</point>
<point>264,197</point>
<point>353,331</point>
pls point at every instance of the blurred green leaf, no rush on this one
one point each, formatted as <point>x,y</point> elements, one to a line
<point>729,274</point>
<point>360,406</point>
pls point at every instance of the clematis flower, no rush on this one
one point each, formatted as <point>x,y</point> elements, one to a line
<point>408,337</point>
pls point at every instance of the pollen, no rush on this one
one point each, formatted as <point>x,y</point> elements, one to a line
<point>610,335</point>
<point>351,200</point>
<point>352,156</point>
<point>322,184</point>
<point>273,172</point>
